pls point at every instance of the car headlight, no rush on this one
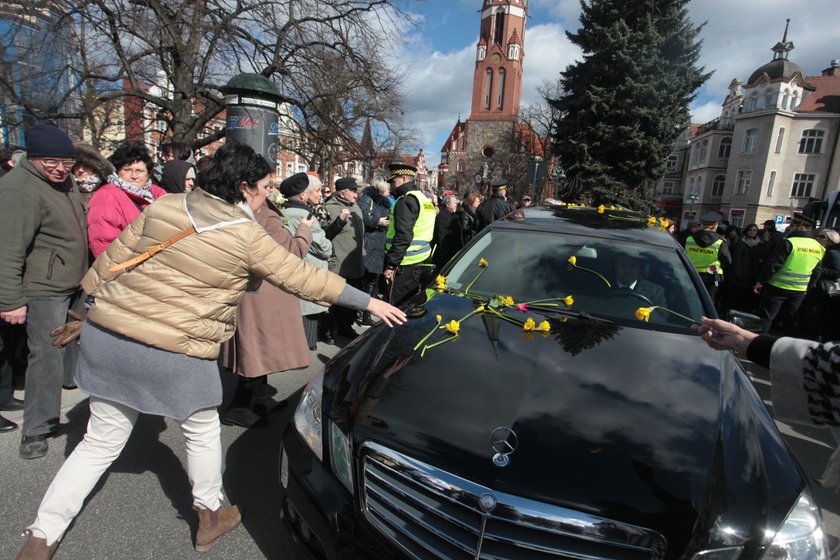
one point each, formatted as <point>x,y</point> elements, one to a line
<point>800,536</point>
<point>341,456</point>
<point>307,417</point>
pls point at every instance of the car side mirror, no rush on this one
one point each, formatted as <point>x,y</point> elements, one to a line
<point>744,320</point>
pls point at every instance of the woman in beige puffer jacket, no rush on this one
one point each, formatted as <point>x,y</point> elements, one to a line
<point>153,333</point>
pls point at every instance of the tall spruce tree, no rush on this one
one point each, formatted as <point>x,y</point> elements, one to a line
<point>624,104</point>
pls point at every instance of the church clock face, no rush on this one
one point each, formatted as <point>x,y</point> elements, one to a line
<point>495,59</point>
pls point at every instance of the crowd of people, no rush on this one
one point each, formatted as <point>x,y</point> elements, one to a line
<point>791,280</point>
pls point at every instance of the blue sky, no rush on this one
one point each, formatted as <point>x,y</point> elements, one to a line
<point>438,55</point>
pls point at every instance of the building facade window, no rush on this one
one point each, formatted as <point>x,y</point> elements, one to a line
<point>786,99</point>
<point>668,187</point>
<point>488,88</point>
<point>725,148</point>
<point>460,166</point>
<point>717,186</point>
<point>753,103</point>
<point>771,183</point>
<point>768,100</point>
<point>751,141</point>
<point>780,140</point>
<point>701,151</point>
<point>736,217</point>
<point>499,31</point>
<point>794,102</point>
<point>501,97</point>
<point>671,163</point>
<point>803,183</point>
<point>743,181</point>
<point>811,141</point>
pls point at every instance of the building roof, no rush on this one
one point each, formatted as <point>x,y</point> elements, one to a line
<point>779,69</point>
<point>826,95</point>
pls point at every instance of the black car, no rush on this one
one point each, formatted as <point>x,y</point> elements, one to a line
<point>546,399</point>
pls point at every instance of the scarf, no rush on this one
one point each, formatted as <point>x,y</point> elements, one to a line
<point>750,242</point>
<point>144,192</point>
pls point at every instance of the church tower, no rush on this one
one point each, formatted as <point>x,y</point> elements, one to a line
<point>497,80</point>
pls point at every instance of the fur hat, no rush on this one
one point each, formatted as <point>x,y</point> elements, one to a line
<point>88,156</point>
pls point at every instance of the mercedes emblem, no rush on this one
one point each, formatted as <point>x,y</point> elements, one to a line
<point>503,441</point>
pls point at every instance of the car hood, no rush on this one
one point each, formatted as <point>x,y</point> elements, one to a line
<point>621,421</point>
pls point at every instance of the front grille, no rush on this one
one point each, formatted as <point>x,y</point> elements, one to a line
<point>430,513</point>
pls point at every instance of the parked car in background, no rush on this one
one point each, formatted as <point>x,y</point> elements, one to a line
<point>546,399</point>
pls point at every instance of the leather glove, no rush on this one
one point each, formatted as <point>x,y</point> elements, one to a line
<point>68,332</point>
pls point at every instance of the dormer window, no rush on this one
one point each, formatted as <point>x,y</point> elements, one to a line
<point>482,52</point>
<point>513,52</point>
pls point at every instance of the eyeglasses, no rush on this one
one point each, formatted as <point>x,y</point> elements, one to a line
<point>53,163</point>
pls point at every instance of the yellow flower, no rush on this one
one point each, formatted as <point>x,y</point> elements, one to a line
<point>453,327</point>
<point>438,318</point>
<point>573,260</point>
<point>643,313</point>
<point>544,326</point>
<point>479,309</point>
<point>664,222</point>
<point>569,301</point>
<point>651,221</point>
<point>612,206</point>
<point>440,282</point>
<point>482,262</point>
<point>506,300</point>
<point>529,325</point>
<point>601,209</point>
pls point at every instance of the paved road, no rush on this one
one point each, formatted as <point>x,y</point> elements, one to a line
<point>142,508</point>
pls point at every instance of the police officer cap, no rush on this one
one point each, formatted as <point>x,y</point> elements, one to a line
<point>803,219</point>
<point>711,218</point>
<point>499,184</point>
<point>295,184</point>
<point>400,170</point>
<point>346,183</point>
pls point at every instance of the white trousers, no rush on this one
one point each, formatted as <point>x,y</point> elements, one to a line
<point>107,432</point>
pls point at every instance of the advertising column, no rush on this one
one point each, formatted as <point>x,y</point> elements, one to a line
<point>252,114</point>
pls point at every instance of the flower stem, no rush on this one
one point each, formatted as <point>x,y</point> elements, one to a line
<point>689,319</point>
<point>477,276</point>
<point>425,338</point>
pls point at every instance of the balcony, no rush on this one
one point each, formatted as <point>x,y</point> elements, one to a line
<point>726,123</point>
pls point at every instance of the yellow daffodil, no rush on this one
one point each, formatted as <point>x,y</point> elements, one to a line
<point>438,318</point>
<point>601,209</point>
<point>569,301</point>
<point>440,282</point>
<point>651,221</point>
<point>452,327</point>
<point>479,309</point>
<point>573,260</point>
<point>529,325</point>
<point>612,206</point>
<point>544,326</point>
<point>506,300</point>
<point>482,262</point>
<point>643,313</point>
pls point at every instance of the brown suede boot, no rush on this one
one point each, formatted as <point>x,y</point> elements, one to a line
<point>36,549</point>
<point>214,524</point>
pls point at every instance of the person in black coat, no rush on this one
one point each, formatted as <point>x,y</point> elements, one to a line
<point>376,209</point>
<point>496,206</point>
<point>448,239</point>
<point>821,310</point>
<point>467,216</point>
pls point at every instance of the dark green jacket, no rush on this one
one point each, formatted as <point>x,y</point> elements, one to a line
<point>43,235</point>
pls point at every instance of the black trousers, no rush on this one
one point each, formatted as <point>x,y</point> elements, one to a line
<point>407,282</point>
<point>782,304</point>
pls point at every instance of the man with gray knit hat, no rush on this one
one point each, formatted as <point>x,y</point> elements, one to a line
<point>44,229</point>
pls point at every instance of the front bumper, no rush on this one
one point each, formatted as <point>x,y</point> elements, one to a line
<point>319,512</point>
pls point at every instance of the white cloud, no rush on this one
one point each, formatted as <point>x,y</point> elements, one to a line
<point>547,53</point>
<point>705,112</point>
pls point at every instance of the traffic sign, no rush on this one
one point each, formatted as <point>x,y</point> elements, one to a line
<point>780,219</point>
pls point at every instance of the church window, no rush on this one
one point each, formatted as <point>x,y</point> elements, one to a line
<point>460,166</point>
<point>725,148</point>
<point>482,51</point>
<point>501,97</point>
<point>499,28</point>
<point>488,88</point>
<point>487,151</point>
<point>513,52</point>
<point>780,140</point>
<point>811,141</point>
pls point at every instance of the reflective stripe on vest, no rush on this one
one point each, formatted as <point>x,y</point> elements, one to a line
<point>804,257</point>
<point>420,247</point>
<point>704,259</point>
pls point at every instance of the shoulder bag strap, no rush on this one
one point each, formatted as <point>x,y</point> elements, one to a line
<point>131,263</point>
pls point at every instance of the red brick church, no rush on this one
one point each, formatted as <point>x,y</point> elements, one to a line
<point>492,143</point>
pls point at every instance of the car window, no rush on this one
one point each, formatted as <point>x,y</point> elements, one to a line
<point>610,278</point>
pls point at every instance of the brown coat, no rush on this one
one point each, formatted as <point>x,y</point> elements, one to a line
<point>184,298</point>
<point>269,333</point>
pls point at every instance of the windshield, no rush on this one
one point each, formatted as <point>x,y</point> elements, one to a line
<point>609,278</point>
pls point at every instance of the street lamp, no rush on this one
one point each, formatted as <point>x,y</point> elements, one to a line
<point>693,197</point>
